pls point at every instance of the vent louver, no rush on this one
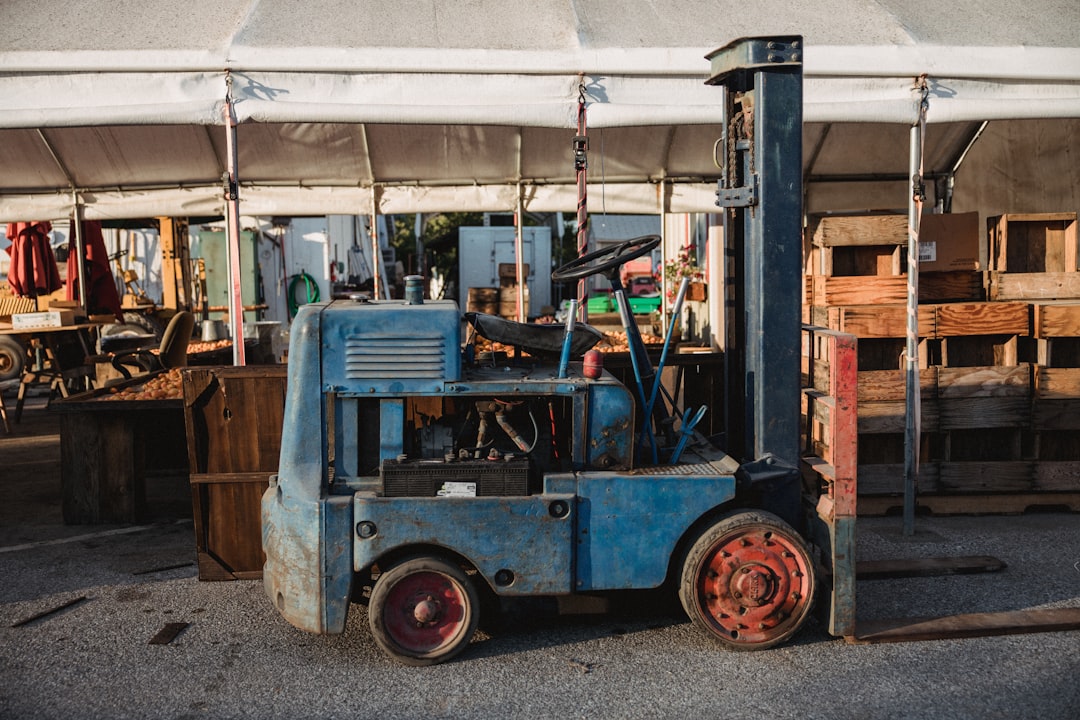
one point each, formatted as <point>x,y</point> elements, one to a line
<point>395,357</point>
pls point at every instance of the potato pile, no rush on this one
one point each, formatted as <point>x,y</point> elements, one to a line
<point>613,342</point>
<point>200,347</point>
<point>167,386</point>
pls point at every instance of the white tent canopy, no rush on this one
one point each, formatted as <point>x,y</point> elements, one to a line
<point>462,105</point>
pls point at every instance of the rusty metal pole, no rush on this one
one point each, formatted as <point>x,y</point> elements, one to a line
<point>581,164</point>
<point>232,214</point>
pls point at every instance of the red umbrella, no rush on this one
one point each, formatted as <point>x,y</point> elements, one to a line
<point>33,267</point>
<point>101,295</point>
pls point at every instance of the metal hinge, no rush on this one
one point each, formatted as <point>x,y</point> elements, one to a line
<point>745,196</point>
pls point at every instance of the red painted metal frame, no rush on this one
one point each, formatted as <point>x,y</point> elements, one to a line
<point>830,393</point>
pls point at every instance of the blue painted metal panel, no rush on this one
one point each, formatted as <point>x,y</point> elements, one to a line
<point>303,460</point>
<point>628,525</point>
<point>390,346</point>
<point>493,533</point>
<point>308,571</point>
<point>392,429</point>
<point>609,427</point>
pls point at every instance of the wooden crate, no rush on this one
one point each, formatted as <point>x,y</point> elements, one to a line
<point>119,459</point>
<point>1033,243</point>
<point>233,417</point>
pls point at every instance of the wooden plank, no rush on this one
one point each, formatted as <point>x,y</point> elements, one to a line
<point>846,230</point>
<point>933,287</point>
<point>927,567</point>
<point>214,478</point>
<point>985,381</point>
<point>1053,383</point>
<point>977,413</point>
<point>168,633</point>
<point>233,529</point>
<point>879,321</point>
<point>1004,503</point>
<point>1056,414</point>
<point>968,625</point>
<point>1057,476</point>
<point>51,611</point>
<point>891,385</point>
<point>1056,320</point>
<point>983,318</point>
<point>1033,286</point>
<point>889,417</point>
<point>1010,476</point>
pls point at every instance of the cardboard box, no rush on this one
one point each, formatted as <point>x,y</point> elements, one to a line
<point>64,304</point>
<point>46,319</point>
<point>949,242</point>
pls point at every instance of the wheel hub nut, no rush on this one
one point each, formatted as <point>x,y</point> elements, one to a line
<point>426,611</point>
<point>752,585</point>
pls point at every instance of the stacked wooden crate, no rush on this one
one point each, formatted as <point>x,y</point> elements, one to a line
<point>998,420</point>
<point>1056,409</point>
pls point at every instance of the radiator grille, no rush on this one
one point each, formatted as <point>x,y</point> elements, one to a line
<point>397,357</point>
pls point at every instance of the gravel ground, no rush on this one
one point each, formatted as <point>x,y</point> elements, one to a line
<point>237,658</point>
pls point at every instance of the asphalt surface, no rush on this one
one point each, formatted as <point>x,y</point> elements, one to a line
<point>237,658</point>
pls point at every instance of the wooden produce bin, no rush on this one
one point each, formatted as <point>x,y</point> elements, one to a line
<point>233,418</point>
<point>110,450</point>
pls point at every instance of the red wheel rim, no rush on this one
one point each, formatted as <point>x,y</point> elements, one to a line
<point>754,585</point>
<point>425,611</point>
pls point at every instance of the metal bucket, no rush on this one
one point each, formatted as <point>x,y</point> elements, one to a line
<point>214,330</point>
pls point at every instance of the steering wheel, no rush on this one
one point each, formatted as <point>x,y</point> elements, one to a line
<point>610,258</point>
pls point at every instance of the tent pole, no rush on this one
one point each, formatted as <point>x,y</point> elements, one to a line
<point>232,213</point>
<point>581,164</point>
<point>913,392</point>
<point>376,264</point>
<point>665,306</point>
<point>80,251</point>
<point>519,254</point>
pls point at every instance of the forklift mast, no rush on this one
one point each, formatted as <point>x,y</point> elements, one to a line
<point>760,158</point>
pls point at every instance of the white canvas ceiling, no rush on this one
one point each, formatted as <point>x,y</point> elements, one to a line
<point>455,104</point>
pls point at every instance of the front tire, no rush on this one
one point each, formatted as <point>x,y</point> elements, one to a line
<point>423,611</point>
<point>748,581</point>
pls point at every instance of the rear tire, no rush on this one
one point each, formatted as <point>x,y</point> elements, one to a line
<point>423,611</point>
<point>748,581</point>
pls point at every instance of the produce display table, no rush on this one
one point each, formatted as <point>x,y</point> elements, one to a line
<point>108,449</point>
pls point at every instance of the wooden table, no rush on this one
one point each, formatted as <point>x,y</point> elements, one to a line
<point>62,358</point>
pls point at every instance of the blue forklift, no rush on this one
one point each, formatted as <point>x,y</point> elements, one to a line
<point>419,476</point>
